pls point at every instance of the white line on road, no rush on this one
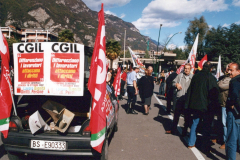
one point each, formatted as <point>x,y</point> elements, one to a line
<point>194,150</point>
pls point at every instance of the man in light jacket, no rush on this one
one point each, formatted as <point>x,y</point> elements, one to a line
<point>181,82</point>
<point>223,85</point>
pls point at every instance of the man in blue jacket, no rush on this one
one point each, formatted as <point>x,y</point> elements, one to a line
<point>233,112</point>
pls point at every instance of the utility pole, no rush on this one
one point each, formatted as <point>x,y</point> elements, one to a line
<point>158,45</point>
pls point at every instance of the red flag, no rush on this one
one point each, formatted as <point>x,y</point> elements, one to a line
<point>97,86</point>
<point>116,82</point>
<point>203,60</point>
<point>5,87</point>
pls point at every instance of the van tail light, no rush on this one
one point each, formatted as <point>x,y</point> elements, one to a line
<point>13,127</point>
<point>85,129</point>
<point>15,124</point>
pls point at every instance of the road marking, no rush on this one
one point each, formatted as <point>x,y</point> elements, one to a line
<point>194,150</point>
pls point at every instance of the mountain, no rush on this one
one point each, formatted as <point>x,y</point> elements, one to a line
<point>56,15</point>
<point>156,43</point>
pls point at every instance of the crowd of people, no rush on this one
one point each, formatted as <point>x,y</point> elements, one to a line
<point>199,97</point>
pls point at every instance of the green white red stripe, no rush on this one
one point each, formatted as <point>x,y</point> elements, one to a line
<point>5,87</point>
<point>98,138</point>
<point>4,124</point>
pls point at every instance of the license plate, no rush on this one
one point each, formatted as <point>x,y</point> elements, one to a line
<point>49,145</point>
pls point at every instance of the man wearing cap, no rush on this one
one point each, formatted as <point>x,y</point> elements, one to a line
<point>132,90</point>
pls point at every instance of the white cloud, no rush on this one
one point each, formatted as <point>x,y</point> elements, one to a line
<point>96,4</point>
<point>238,22</point>
<point>182,47</point>
<point>114,14</point>
<point>210,26</point>
<point>226,25</point>
<point>146,32</point>
<point>236,3</point>
<point>171,46</point>
<point>122,15</point>
<point>169,13</point>
<point>109,12</point>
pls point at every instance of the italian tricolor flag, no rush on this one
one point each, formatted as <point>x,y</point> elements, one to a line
<point>5,87</point>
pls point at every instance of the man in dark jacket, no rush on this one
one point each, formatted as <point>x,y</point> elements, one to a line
<point>202,96</point>
<point>233,112</point>
<point>169,88</point>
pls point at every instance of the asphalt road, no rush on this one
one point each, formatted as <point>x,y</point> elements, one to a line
<point>142,137</point>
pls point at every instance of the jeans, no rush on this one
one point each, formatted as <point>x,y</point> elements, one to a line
<point>131,94</point>
<point>207,121</point>
<point>233,135</point>
<point>161,88</point>
<point>193,137</point>
<point>224,119</point>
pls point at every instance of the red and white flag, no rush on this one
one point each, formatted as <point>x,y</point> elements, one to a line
<point>191,58</point>
<point>97,86</point>
<point>201,63</point>
<point>5,87</point>
<point>116,82</point>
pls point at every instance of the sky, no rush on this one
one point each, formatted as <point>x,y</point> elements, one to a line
<point>174,15</point>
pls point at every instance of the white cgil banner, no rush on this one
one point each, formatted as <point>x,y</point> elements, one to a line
<point>48,68</point>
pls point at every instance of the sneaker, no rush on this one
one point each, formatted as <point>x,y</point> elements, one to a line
<point>133,112</point>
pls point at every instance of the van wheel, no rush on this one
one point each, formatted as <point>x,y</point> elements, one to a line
<point>116,128</point>
<point>15,156</point>
<point>104,154</point>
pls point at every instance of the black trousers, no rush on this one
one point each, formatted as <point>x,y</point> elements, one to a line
<point>131,94</point>
<point>178,111</point>
<point>122,87</point>
<point>169,99</point>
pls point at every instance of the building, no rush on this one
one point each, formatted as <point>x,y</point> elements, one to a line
<point>139,53</point>
<point>29,34</point>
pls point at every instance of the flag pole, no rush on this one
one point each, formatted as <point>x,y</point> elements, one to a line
<point>14,107</point>
<point>124,46</point>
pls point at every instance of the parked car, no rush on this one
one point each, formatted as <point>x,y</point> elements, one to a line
<point>74,142</point>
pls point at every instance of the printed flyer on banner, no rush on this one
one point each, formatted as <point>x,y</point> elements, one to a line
<point>48,68</point>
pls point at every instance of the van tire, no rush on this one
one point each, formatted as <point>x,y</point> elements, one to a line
<point>15,156</point>
<point>116,127</point>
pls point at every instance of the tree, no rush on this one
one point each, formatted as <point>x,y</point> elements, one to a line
<point>146,55</point>
<point>196,26</point>
<point>11,41</point>
<point>66,35</point>
<point>127,54</point>
<point>225,42</point>
<point>10,44</point>
<point>180,53</point>
<point>113,49</point>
